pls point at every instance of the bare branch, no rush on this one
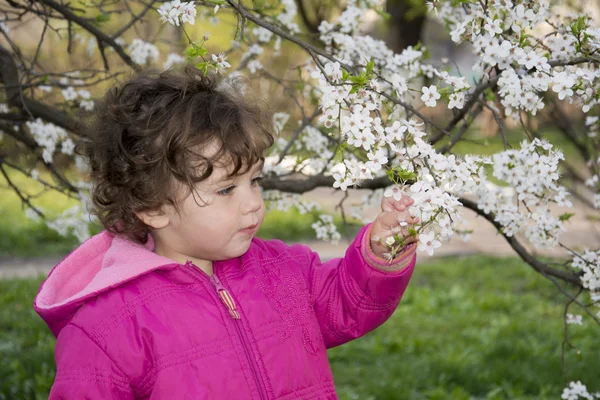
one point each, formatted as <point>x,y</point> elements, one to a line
<point>279,32</point>
<point>10,76</point>
<point>101,37</point>
<point>305,122</point>
<point>133,20</point>
<point>24,199</point>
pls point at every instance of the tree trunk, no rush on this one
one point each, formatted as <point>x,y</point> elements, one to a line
<point>404,31</point>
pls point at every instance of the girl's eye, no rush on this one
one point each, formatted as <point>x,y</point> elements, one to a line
<point>256,180</point>
<point>226,191</point>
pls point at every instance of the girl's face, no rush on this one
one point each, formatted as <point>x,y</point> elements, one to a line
<point>217,222</point>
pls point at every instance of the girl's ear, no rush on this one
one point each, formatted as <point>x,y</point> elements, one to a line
<point>156,219</point>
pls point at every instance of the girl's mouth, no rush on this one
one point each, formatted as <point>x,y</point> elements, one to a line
<point>249,229</point>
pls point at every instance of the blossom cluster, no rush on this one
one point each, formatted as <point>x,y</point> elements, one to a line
<point>589,264</point>
<point>324,227</point>
<point>578,391</point>
<point>84,96</point>
<point>48,136</point>
<point>177,11</point>
<point>142,52</point>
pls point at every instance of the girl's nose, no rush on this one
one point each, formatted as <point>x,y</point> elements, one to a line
<point>252,203</point>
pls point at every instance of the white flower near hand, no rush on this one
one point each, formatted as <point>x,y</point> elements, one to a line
<point>493,27</point>
<point>427,242</point>
<point>395,192</point>
<point>390,241</point>
<point>430,96</point>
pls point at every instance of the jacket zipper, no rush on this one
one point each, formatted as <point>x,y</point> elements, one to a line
<point>227,300</point>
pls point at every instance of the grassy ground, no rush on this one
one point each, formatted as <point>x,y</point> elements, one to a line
<point>470,328</point>
<point>467,328</point>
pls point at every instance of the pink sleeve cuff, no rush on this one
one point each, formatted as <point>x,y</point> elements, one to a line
<point>401,261</point>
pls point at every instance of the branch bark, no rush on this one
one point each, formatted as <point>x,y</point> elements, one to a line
<point>9,75</point>
<point>305,185</point>
<point>522,252</point>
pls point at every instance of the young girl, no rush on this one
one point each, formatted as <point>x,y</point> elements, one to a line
<point>177,298</point>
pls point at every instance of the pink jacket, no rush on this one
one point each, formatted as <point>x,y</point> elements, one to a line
<point>131,324</point>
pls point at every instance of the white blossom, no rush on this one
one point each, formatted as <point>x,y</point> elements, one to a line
<point>574,319</point>
<point>430,95</point>
<point>69,93</point>
<point>221,62</point>
<point>173,59</point>
<point>142,52</point>
<point>176,11</point>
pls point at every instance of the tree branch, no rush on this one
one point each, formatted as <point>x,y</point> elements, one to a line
<point>522,252</point>
<point>133,20</point>
<point>305,185</point>
<point>101,37</point>
<point>10,76</point>
<point>279,32</point>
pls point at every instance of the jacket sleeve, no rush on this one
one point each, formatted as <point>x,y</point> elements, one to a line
<point>84,371</point>
<point>357,293</point>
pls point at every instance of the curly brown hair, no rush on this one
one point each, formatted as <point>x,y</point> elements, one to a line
<point>147,136</point>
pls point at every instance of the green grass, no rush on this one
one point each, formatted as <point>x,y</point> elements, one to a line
<point>468,328</point>
<point>21,236</point>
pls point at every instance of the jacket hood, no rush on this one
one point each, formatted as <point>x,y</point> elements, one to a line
<point>101,263</point>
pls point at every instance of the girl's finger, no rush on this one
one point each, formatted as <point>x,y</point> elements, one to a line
<point>387,204</point>
<point>391,219</point>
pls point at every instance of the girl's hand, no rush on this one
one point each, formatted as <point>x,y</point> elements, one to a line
<point>393,219</point>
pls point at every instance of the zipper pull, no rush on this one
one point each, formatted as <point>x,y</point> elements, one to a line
<point>224,296</point>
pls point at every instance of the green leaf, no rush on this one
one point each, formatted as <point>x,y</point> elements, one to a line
<point>384,14</point>
<point>204,67</point>
<point>401,176</point>
<point>201,52</point>
<point>370,66</point>
<point>339,152</point>
<point>565,216</point>
<point>191,52</point>
<point>103,17</point>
